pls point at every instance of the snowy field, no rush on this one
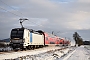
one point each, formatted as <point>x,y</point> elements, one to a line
<point>80,53</point>
<point>46,53</point>
<point>5,49</point>
<point>50,53</point>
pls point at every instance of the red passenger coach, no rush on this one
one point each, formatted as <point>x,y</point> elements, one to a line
<point>46,38</point>
<point>51,39</point>
<point>61,41</point>
<point>57,40</point>
<point>64,42</point>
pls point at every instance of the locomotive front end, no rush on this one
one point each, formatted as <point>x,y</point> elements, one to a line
<point>16,38</point>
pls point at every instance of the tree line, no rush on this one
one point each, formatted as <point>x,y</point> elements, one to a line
<point>78,39</point>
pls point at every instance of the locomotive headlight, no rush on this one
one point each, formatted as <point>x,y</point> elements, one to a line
<point>10,40</point>
<point>24,40</point>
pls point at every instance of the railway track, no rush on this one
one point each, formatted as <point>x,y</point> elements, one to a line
<point>14,55</point>
<point>10,50</point>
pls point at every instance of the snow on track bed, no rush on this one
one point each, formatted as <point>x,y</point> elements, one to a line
<point>80,53</point>
<point>5,49</point>
<point>13,55</point>
<point>46,53</point>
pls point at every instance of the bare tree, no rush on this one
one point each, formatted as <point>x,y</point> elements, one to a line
<point>78,39</point>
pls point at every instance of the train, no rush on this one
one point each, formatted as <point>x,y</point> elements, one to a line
<point>24,38</point>
<point>53,39</point>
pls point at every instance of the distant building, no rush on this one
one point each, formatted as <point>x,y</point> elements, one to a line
<point>86,42</point>
<point>5,40</point>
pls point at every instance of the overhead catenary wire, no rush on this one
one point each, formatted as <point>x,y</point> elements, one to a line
<point>11,7</point>
<point>15,13</point>
<point>18,16</point>
<point>10,12</point>
<point>30,21</point>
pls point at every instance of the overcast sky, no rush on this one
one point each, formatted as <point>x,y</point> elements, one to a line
<point>64,17</point>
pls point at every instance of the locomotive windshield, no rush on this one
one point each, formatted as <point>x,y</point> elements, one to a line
<point>17,33</point>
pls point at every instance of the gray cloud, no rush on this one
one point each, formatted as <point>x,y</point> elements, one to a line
<point>48,15</point>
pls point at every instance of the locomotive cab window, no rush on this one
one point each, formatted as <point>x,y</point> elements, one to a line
<point>17,33</point>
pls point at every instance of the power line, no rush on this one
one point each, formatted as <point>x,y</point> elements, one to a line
<point>10,12</point>
<point>14,13</point>
<point>10,6</point>
<point>19,16</point>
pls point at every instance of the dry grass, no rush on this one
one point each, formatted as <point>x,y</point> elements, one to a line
<point>3,44</point>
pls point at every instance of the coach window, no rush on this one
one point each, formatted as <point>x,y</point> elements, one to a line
<point>46,38</point>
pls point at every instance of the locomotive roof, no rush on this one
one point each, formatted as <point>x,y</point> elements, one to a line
<point>31,30</point>
<point>19,28</point>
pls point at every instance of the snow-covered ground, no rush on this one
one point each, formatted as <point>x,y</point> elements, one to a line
<point>80,53</point>
<point>4,49</point>
<point>46,53</point>
<point>50,53</point>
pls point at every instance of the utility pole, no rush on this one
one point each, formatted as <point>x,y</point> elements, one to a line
<point>52,32</point>
<point>21,21</point>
